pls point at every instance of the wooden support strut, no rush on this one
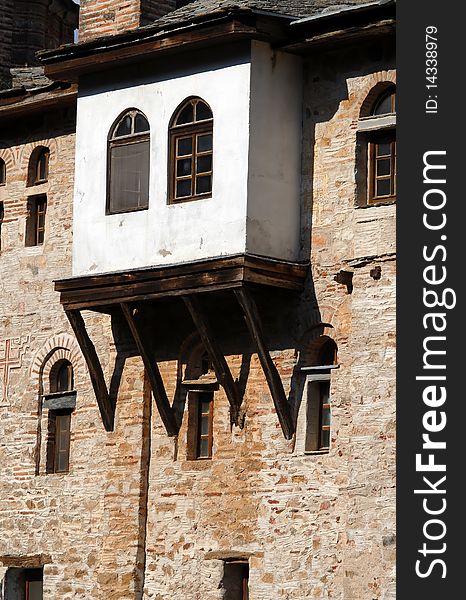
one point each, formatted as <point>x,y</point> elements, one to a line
<point>253,322</point>
<point>221,368</point>
<point>107,410</point>
<point>153,372</point>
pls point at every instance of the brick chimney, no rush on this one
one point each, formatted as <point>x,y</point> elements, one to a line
<point>99,18</point>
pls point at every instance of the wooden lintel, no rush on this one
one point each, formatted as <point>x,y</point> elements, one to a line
<point>107,410</point>
<point>153,372</point>
<point>253,322</point>
<point>221,368</point>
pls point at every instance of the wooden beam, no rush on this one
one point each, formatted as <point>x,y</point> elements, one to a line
<point>253,322</point>
<point>221,368</point>
<point>153,372</point>
<point>106,407</point>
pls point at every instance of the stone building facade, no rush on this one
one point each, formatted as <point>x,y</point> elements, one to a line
<point>139,511</point>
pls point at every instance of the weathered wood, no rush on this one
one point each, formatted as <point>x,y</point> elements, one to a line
<point>221,368</point>
<point>107,410</point>
<point>153,372</point>
<point>98,291</point>
<point>253,322</point>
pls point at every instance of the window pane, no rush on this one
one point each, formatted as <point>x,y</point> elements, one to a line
<point>183,188</point>
<point>205,406</point>
<point>204,448</point>
<point>129,185</point>
<point>205,425</point>
<point>325,416</point>
<point>384,107</point>
<point>35,590</point>
<point>383,167</point>
<point>325,438</point>
<point>203,112</point>
<point>186,115</point>
<point>204,164</point>
<point>124,128</point>
<point>183,167</point>
<point>203,184</point>
<point>204,143</point>
<point>140,124</point>
<point>383,149</point>
<point>2,171</point>
<point>382,187</point>
<point>42,167</point>
<point>185,146</point>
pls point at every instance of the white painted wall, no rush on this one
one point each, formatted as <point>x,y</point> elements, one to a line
<point>218,226</point>
<point>274,186</point>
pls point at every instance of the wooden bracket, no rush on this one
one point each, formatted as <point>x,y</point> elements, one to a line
<point>106,407</point>
<point>253,322</point>
<point>221,368</point>
<point>153,372</point>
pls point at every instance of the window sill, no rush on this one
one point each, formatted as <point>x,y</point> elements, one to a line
<point>109,213</point>
<point>375,204</point>
<point>316,452</point>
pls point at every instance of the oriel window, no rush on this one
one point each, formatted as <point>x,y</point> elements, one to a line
<point>191,152</point>
<point>128,164</point>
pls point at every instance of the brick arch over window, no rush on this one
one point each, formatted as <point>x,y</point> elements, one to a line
<point>58,348</point>
<point>6,155</point>
<point>28,149</point>
<point>373,94</point>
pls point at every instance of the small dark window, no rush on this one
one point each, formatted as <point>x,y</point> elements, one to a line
<point>386,104</point>
<point>200,425</point>
<point>24,584</point>
<point>235,582</point>
<point>2,216</point>
<point>191,152</point>
<point>59,421</point>
<point>38,171</point>
<point>62,377</point>
<point>128,164</point>
<point>35,221</point>
<point>318,400</point>
<point>2,172</point>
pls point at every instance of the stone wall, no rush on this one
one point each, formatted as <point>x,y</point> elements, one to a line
<point>134,518</point>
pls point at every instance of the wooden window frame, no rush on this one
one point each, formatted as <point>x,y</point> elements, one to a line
<point>2,172</point>
<point>58,421</point>
<point>55,385</point>
<point>126,140</point>
<point>209,436</point>
<point>190,130</point>
<point>42,157</point>
<point>35,227</point>
<point>375,140</point>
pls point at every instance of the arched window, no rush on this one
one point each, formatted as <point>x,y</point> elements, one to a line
<point>61,377</point>
<point>2,172</point>
<point>318,407</point>
<point>377,126</point>
<point>59,420</point>
<point>128,163</point>
<point>38,171</point>
<point>191,151</point>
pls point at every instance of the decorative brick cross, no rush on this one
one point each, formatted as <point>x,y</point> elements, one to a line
<point>15,349</point>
